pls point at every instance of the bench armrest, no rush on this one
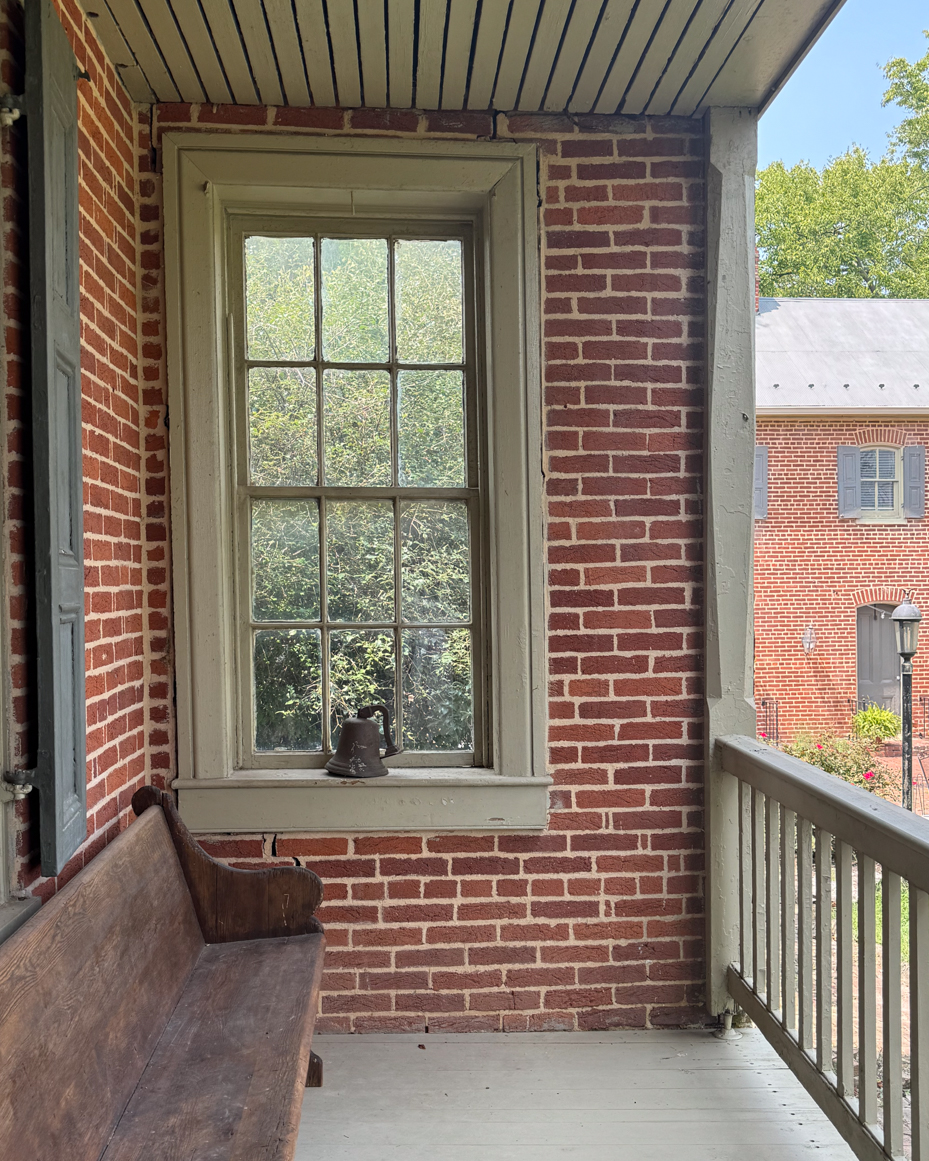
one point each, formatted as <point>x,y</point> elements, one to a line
<point>233,904</point>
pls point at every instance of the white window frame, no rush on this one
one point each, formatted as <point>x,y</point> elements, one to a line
<point>208,178</point>
<point>884,515</point>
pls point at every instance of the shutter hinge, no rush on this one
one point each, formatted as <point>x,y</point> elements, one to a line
<point>11,109</point>
<point>16,784</point>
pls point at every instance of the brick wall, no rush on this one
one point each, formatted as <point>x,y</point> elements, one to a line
<point>811,566</point>
<point>598,921</point>
<point>118,656</point>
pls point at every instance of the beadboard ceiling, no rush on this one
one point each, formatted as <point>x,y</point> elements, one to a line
<point>600,56</point>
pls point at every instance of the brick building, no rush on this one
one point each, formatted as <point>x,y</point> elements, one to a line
<point>840,530</point>
<point>595,175</point>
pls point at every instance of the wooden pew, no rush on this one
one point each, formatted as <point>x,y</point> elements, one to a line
<point>161,1006</point>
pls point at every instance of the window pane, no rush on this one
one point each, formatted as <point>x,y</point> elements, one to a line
<point>354,272</point>
<point>867,494</point>
<point>436,561</point>
<point>360,563</point>
<point>869,463</point>
<point>288,693</point>
<point>437,711</point>
<point>885,495</point>
<point>357,419</point>
<point>428,279</point>
<point>431,429</point>
<point>282,426</point>
<point>285,560</point>
<point>361,672</point>
<point>279,298</point>
<point>887,463</point>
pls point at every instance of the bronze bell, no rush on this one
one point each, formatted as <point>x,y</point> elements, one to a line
<point>359,750</point>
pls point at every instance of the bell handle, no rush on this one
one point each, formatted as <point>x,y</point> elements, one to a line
<point>367,712</point>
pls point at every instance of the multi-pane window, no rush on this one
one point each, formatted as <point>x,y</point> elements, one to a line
<point>880,484</point>
<point>359,531</point>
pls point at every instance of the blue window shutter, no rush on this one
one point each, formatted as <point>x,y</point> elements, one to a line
<point>914,481</point>
<point>849,471</point>
<point>51,123</point>
<point>761,482</point>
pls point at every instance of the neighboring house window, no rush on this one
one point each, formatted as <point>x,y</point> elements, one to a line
<point>357,489</point>
<point>881,484</point>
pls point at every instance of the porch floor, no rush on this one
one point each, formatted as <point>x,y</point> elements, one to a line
<point>594,1096</point>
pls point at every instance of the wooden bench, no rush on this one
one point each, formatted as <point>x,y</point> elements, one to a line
<point>161,1006</point>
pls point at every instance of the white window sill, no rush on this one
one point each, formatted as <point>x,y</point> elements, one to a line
<point>412,799</point>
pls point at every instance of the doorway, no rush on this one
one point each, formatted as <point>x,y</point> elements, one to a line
<point>878,660</point>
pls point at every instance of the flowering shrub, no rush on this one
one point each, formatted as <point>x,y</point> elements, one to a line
<point>875,724</point>
<point>851,759</point>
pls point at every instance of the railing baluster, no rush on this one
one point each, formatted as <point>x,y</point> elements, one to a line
<point>805,930</point>
<point>867,997</point>
<point>773,918</point>
<point>758,894</point>
<point>823,950</point>
<point>919,1022</point>
<point>746,912</point>
<point>789,918</point>
<point>892,1047</point>
<point>845,991</point>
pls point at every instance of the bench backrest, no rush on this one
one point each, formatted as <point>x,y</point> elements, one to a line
<point>86,988</point>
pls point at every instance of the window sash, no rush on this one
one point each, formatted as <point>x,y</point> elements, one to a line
<point>880,481</point>
<point>472,494</point>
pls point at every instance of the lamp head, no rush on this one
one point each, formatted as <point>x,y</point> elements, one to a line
<point>906,618</point>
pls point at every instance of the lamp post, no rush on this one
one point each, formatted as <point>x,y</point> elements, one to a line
<point>906,618</point>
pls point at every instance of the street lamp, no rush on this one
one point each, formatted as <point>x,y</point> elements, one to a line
<point>906,618</point>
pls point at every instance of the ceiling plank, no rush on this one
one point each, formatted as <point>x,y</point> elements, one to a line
<point>577,38</point>
<point>345,53</point>
<point>200,46</point>
<point>132,26</point>
<point>727,33</point>
<point>607,37</point>
<point>260,52</point>
<point>226,37</point>
<point>120,54</point>
<point>523,16</point>
<point>644,24</point>
<point>373,38</point>
<point>460,36</point>
<point>547,39</point>
<point>486,54</point>
<point>173,48</point>
<point>280,16</point>
<point>432,15</point>
<point>311,21</point>
<point>685,58</point>
<point>657,57</point>
<point>400,15</point>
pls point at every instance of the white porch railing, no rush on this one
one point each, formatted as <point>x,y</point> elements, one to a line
<point>811,975</point>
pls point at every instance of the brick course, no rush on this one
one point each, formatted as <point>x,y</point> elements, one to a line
<point>807,559</point>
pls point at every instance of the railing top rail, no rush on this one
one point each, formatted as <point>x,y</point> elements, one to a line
<point>892,836</point>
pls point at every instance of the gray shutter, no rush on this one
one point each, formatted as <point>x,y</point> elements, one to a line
<point>51,120</point>
<point>761,482</point>
<point>914,481</point>
<point>849,469</point>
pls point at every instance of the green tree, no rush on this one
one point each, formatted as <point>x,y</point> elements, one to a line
<point>909,88</point>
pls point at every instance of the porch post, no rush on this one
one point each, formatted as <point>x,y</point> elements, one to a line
<point>730,448</point>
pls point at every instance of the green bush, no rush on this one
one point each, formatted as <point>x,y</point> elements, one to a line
<point>875,724</point>
<point>851,759</point>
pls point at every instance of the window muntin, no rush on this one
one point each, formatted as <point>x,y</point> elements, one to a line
<point>360,506</point>
<point>881,485</point>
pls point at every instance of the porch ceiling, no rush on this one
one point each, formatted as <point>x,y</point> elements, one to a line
<point>600,56</point>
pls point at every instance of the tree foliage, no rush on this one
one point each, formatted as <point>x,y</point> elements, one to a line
<point>909,88</point>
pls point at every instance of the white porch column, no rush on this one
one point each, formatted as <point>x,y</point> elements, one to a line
<point>730,444</point>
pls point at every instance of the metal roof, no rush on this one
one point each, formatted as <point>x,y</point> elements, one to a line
<point>601,56</point>
<point>842,354</point>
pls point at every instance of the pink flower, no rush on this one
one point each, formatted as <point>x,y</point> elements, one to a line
<point>818,746</point>
<point>762,735</point>
<point>869,774</point>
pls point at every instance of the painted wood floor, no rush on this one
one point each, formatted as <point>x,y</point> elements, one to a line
<point>613,1096</point>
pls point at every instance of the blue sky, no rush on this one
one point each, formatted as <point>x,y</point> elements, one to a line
<point>834,98</point>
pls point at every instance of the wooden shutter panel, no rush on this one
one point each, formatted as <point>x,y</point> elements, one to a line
<point>761,482</point>
<point>51,121</point>
<point>849,471</point>
<point>914,481</point>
